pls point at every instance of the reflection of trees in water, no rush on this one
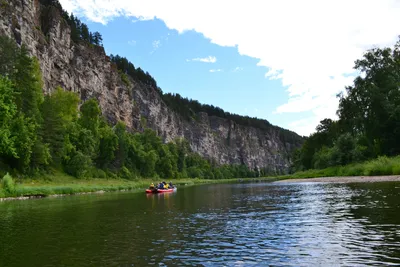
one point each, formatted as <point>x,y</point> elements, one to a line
<point>309,224</point>
<point>377,208</point>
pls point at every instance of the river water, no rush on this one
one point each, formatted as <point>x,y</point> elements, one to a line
<point>258,224</point>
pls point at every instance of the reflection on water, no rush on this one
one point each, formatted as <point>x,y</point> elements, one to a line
<point>306,224</point>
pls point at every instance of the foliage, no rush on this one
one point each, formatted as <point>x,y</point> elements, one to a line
<point>78,165</point>
<point>79,30</point>
<point>40,133</point>
<point>127,68</point>
<point>8,184</point>
<point>8,110</point>
<point>369,117</point>
<point>125,79</point>
<point>189,109</point>
<point>60,114</point>
<point>379,166</point>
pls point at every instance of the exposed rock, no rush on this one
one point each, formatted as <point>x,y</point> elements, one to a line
<point>88,71</point>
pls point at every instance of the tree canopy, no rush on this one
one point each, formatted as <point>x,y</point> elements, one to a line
<point>369,116</point>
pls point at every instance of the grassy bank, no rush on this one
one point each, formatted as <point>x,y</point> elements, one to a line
<point>62,184</point>
<point>375,167</point>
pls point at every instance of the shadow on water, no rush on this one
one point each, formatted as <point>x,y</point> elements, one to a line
<point>304,224</point>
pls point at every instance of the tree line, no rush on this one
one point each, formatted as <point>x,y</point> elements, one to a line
<point>189,109</point>
<point>369,116</point>
<point>127,68</point>
<point>40,133</point>
<point>79,30</point>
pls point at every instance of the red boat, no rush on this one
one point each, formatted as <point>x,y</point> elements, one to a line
<point>156,191</point>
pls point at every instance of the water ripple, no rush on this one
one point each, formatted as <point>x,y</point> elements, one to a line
<point>310,224</point>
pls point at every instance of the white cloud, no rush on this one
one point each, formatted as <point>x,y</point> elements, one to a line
<point>132,42</point>
<point>156,44</point>
<point>237,69</point>
<point>309,45</point>
<point>209,59</point>
<point>215,70</point>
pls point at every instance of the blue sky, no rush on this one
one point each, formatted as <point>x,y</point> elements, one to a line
<point>233,82</point>
<point>280,60</point>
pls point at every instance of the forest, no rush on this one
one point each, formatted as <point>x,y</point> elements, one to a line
<point>368,124</point>
<point>40,133</point>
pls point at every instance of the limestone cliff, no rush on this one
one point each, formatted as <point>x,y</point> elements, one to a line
<point>88,71</point>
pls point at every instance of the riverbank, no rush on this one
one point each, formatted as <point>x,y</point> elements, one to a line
<point>63,185</point>
<point>343,179</point>
<point>381,166</point>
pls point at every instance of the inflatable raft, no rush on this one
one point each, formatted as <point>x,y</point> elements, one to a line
<point>156,191</point>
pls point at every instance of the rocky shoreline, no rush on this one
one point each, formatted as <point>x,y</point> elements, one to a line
<point>345,179</point>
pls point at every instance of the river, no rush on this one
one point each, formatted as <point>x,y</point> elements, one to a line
<point>257,224</point>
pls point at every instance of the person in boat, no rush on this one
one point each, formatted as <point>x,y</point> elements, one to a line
<point>171,185</point>
<point>166,185</point>
<point>151,186</point>
<point>160,186</point>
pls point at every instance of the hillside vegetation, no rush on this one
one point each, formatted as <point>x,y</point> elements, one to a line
<point>40,133</point>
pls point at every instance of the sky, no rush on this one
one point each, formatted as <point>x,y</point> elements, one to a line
<point>280,60</point>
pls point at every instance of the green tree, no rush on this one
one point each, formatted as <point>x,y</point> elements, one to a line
<point>8,111</point>
<point>24,133</point>
<point>59,110</point>
<point>107,147</point>
<point>148,163</point>
<point>372,105</point>
<point>29,85</point>
<point>90,116</point>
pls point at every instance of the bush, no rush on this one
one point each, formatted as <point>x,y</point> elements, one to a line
<point>396,170</point>
<point>8,184</point>
<point>78,165</point>
<point>380,166</point>
<point>111,175</point>
<point>125,173</point>
<point>98,173</point>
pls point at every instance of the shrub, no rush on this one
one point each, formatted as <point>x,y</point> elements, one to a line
<point>78,165</point>
<point>379,166</point>
<point>125,173</point>
<point>124,78</point>
<point>110,174</point>
<point>98,173</point>
<point>8,184</point>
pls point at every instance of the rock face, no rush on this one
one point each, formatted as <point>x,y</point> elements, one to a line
<point>89,72</point>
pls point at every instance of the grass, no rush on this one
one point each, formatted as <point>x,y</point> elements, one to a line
<point>62,184</point>
<point>380,166</point>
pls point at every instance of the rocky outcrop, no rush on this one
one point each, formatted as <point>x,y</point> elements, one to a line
<point>88,71</point>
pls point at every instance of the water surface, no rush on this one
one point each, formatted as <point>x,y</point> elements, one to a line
<point>293,224</point>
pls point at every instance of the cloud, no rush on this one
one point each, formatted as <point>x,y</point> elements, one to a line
<point>156,44</point>
<point>309,45</point>
<point>209,59</point>
<point>216,70</point>
<point>305,126</point>
<point>138,19</point>
<point>237,69</point>
<point>132,42</point>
